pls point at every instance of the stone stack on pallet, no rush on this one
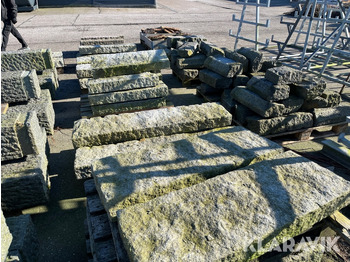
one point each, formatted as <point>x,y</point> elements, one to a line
<point>24,129</point>
<point>41,61</point>
<point>286,100</point>
<point>121,79</point>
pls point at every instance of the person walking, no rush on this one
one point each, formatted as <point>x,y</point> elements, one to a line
<point>9,18</point>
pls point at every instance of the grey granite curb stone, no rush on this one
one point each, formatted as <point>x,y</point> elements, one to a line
<point>129,63</point>
<point>214,80</point>
<point>333,98</point>
<point>122,83</point>
<point>309,88</point>
<point>223,66</point>
<point>19,86</point>
<point>224,218</point>
<point>292,104</point>
<point>210,49</point>
<point>242,113</point>
<point>127,107</point>
<point>138,176</point>
<point>316,102</point>
<point>267,90</point>
<point>193,62</point>
<point>188,49</point>
<point>84,71</point>
<point>102,40</point>
<point>283,75</point>
<point>254,58</point>
<point>160,90</point>
<point>256,103</point>
<point>6,238</point>
<point>234,55</point>
<point>332,115</point>
<point>49,80</point>
<point>291,122</point>
<point>106,49</point>
<point>240,80</point>
<point>165,121</point>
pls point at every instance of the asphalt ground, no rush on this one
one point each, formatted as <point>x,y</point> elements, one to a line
<point>60,223</point>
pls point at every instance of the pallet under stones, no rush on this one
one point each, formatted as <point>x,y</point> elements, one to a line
<point>103,240</point>
<point>306,134</point>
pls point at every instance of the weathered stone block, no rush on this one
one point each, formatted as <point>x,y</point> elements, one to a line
<point>129,63</point>
<point>206,89</point>
<point>6,238</point>
<point>188,49</point>
<point>227,101</point>
<point>44,108</point>
<point>214,80</point>
<point>309,88</point>
<point>106,49</point>
<point>294,121</point>
<point>127,107</point>
<point>122,83</point>
<point>239,58</point>
<point>256,103</point>
<point>165,121</point>
<point>254,58</point>
<point>172,40</point>
<point>217,219</point>
<point>333,115</point>
<point>21,135</point>
<point>25,243</point>
<point>240,80</point>
<point>84,71</point>
<point>267,64</point>
<point>186,75</point>
<point>317,102</point>
<point>283,75</point>
<point>27,60</point>
<point>161,90</point>
<point>242,113</point>
<point>267,90</point>
<point>193,62</point>
<point>292,104</point>
<point>19,86</point>
<point>49,81</point>
<point>58,59</point>
<point>102,40</point>
<point>333,98</point>
<point>210,49</point>
<point>223,66</point>
<point>123,181</point>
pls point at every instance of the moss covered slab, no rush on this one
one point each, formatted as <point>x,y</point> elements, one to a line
<point>226,217</point>
<point>139,175</point>
<point>164,121</point>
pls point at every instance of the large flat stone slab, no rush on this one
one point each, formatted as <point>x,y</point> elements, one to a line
<point>332,115</point>
<point>129,63</point>
<point>102,40</point>
<point>137,176</point>
<point>225,217</point>
<point>127,107</point>
<point>106,49</point>
<point>19,86</point>
<point>164,121</point>
<point>122,83</point>
<point>161,90</point>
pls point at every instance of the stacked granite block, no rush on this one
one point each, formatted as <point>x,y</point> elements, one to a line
<point>284,100</point>
<point>40,60</point>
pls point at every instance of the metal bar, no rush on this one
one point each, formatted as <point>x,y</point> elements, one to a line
<point>253,4</point>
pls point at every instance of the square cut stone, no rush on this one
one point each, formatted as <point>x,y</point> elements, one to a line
<point>226,217</point>
<point>223,66</point>
<point>106,49</point>
<point>137,176</point>
<point>283,75</point>
<point>254,58</point>
<point>214,80</point>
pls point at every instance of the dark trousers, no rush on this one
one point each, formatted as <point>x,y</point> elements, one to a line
<point>9,27</point>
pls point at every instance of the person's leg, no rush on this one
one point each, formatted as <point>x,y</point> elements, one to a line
<point>16,34</point>
<point>5,34</point>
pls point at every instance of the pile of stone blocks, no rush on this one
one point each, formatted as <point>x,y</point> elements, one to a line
<point>42,61</point>
<point>117,78</point>
<point>284,100</point>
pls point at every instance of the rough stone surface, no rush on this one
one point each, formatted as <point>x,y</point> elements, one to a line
<point>216,220</point>
<point>333,115</point>
<point>186,75</point>
<point>48,79</point>
<point>283,75</point>
<point>210,49</point>
<point>117,108</point>
<point>25,243</point>
<point>292,104</point>
<point>227,101</point>
<point>138,176</point>
<point>239,58</point>
<point>161,90</point>
<point>276,125</point>
<point>317,102</point>
<point>267,64</point>
<point>165,121</point>
<point>333,98</point>
<point>214,80</point>
<point>104,40</point>
<point>58,59</point>
<point>242,113</point>
<point>122,83</point>
<point>27,60</point>
<point>106,49</point>
<point>129,63</point>
<point>84,71</point>
<point>256,103</point>
<point>240,80</point>
<point>223,66</point>
<point>172,40</point>
<point>309,88</point>
<point>267,90</point>
<point>25,183</point>
<point>6,238</point>
<point>194,62</point>
<point>188,49</point>
<point>21,135</point>
<point>19,86</point>
<point>44,108</point>
<point>254,58</point>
